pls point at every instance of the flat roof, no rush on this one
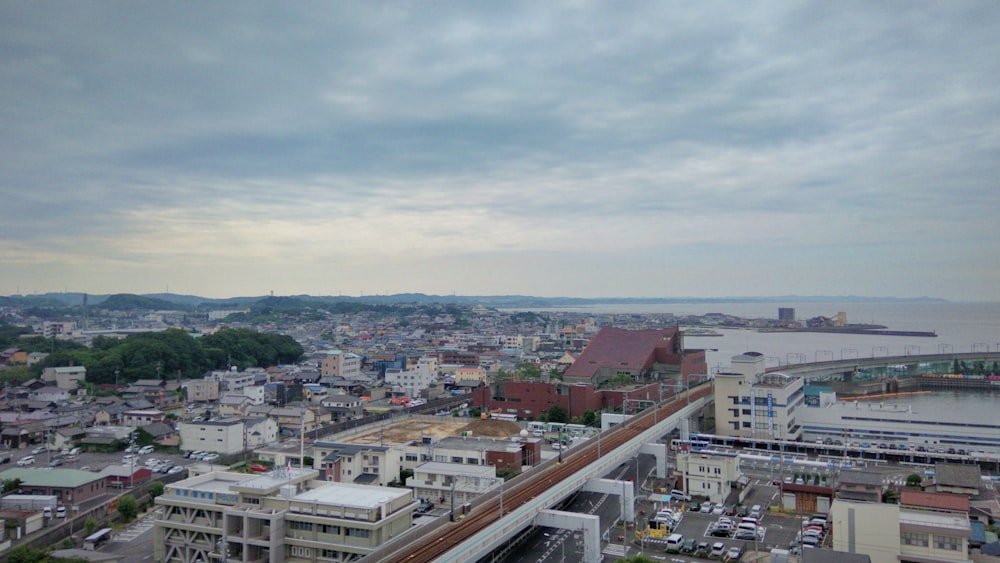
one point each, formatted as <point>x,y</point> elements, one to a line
<point>59,478</point>
<point>360,496</point>
<point>442,468</point>
<point>935,520</point>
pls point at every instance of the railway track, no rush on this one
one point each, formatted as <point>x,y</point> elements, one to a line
<point>443,539</point>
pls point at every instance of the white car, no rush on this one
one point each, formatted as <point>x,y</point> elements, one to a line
<point>152,462</point>
<point>175,469</point>
<point>146,450</point>
<point>27,460</point>
<point>39,450</point>
<point>210,457</point>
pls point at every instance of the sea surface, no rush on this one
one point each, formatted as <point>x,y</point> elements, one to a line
<point>960,327</point>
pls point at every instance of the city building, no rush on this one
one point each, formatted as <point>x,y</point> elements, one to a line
<point>361,464</point>
<point>442,483</point>
<point>411,381</point>
<point>635,355</point>
<point>899,426</point>
<point>709,474</point>
<point>228,436</point>
<point>753,404</point>
<point>786,314</point>
<point>68,377</point>
<point>136,418</point>
<point>338,363</point>
<point>202,390</point>
<point>276,517</point>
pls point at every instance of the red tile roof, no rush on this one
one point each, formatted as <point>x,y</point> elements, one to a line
<point>616,348</point>
<point>937,501</point>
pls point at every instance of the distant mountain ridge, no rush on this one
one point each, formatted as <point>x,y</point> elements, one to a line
<point>170,300</point>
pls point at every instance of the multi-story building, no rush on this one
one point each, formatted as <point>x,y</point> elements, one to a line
<point>470,374</point>
<point>412,380</point>
<point>361,464</point>
<point>68,377</point>
<point>202,390</point>
<point>502,454</point>
<point>617,354</point>
<point>764,405</point>
<point>339,363</point>
<point>228,436</point>
<point>232,380</point>
<point>923,528</point>
<point>709,474</point>
<point>137,418</point>
<point>282,516</point>
<point>438,482</point>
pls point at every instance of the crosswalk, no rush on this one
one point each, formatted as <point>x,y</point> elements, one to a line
<point>139,527</point>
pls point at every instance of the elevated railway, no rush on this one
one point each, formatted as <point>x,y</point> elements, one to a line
<point>436,541</point>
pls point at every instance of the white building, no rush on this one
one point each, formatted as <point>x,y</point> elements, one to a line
<point>436,481</point>
<point>361,464</point>
<point>709,474</point>
<point>228,436</point>
<point>68,377</point>
<point>413,380</point>
<point>276,517</point>
<point>758,405</point>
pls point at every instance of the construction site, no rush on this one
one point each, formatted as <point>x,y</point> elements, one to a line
<point>417,427</point>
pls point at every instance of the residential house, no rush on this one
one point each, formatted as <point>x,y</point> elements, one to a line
<point>437,482</point>
<point>141,417</point>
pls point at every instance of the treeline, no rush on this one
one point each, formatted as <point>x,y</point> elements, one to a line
<point>163,354</point>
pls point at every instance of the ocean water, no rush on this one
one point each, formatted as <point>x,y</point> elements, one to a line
<point>961,327</point>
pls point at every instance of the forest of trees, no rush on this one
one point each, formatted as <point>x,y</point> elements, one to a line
<point>160,354</point>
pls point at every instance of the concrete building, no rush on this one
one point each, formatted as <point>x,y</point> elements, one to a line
<point>925,528</point>
<point>361,464</point>
<point>202,390</point>
<point>228,436</point>
<point>339,363</point>
<point>68,378</point>
<point>436,481</point>
<point>709,474</point>
<point>752,404</point>
<point>276,517</point>
<point>412,380</point>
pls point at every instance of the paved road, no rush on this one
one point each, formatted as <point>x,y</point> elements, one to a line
<point>136,541</point>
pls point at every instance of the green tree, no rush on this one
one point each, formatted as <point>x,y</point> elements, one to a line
<point>914,480</point>
<point>590,418</point>
<point>128,508</point>
<point>155,489</point>
<point>635,559</point>
<point>475,412</point>
<point>557,414</point>
<point>90,526</point>
<point>11,485</point>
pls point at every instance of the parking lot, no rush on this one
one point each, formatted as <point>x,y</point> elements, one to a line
<point>775,528</point>
<point>91,461</point>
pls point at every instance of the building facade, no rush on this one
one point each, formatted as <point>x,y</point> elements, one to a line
<point>762,406</point>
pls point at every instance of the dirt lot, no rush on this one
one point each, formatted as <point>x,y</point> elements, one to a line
<point>403,432</point>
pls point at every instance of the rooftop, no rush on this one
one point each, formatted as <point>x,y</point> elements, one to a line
<point>935,520</point>
<point>360,496</point>
<point>621,349</point>
<point>58,478</point>
<point>957,475</point>
<point>934,501</point>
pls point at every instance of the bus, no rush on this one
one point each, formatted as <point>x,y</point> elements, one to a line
<point>94,541</point>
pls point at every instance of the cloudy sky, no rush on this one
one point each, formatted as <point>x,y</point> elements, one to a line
<point>545,148</point>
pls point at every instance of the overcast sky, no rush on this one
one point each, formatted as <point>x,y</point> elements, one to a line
<point>556,149</point>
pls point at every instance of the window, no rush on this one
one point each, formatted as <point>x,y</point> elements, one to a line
<point>746,412</point>
<point>303,526</point>
<point>950,543</point>
<point>329,529</point>
<point>357,533</point>
<point>746,425</point>
<point>913,538</point>
<point>299,551</point>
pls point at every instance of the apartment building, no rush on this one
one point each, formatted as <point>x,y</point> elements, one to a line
<point>339,363</point>
<point>412,380</point>
<point>441,483</point>
<point>361,464</point>
<point>202,390</point>
<point>281,516</point>
<point>142,417</point>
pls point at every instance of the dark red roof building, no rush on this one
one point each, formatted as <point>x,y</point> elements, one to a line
<point>636,355</point>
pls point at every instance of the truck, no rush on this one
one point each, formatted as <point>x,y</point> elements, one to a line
<point>30,502</point>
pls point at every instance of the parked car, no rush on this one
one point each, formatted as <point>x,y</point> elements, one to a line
<point>27,460</point>
<point>706,507</point>
<point>258,468</point>
<point>55,462</point>
<point>718,548</point>
<point>210,457</point>
<point>61,512</point>
<point>39,450</point>
<point>689,545</point>
<point>733,555</point>
<point>175,469</point>
<point>146,450</point>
